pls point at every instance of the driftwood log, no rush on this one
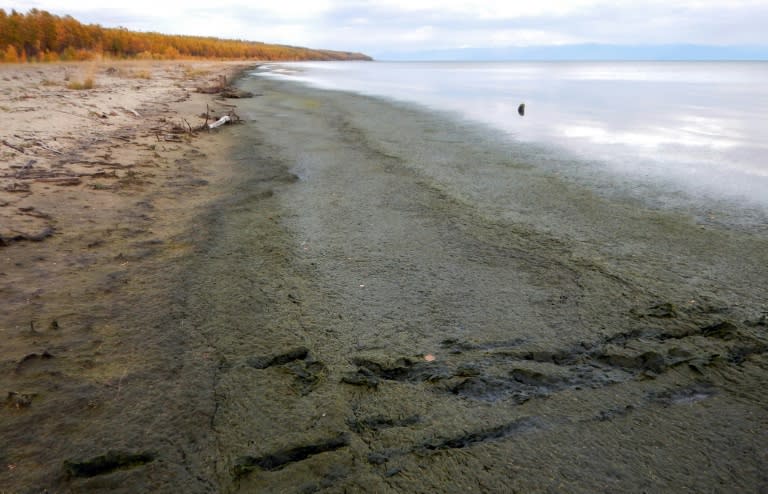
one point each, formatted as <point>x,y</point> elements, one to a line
<point>218,123</point>
<point>230,118</point>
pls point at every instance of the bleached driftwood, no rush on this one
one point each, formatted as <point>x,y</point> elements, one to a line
<point>218,123</point>
<point>132,112</point>
<point>47,148</point>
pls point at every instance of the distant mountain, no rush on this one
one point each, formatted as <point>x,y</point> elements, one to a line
<point>595,52</point>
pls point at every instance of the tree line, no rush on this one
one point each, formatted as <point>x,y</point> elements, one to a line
<point>39,36</point>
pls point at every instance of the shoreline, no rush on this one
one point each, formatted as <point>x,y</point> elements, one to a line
<point>666,179</point>
<point>331,312</point>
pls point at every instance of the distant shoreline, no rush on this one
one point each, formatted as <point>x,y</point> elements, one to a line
<point>39,36</point>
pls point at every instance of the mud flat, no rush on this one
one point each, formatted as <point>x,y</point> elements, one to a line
<point>400,303</point>
<point>374,298</point>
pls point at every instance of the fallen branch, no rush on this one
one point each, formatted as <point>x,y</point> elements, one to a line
<point>80,116</point>
<point>17,149</point>
<point>60,180</point>
<point>47,148</point>
<point>218,123</point>
<point>132,112</point>
<point>108,164</point>
<point>230,117</point>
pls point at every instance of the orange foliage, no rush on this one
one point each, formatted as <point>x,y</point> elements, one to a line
<point>39,35</point>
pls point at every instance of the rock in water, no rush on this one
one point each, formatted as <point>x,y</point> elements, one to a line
<point>521,109</point>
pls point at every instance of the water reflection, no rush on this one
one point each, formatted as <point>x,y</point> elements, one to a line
<point>664,119</point>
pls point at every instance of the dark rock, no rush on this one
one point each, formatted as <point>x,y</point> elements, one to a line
<point>468,370</point>
<point>677,352</point>
<point>761,321</point>
<point>532,378</point>
<point>739,354</point>
<point>722,330</point>
<point>403,370</point>
<point>651,361</point>
<point>307,375</point>
<point>113,460</point>
<point>663,310</point>
<point>379,422</point>
<point>560,357</point>
<point>362,377</point>
<point>490,388</point>
<point>494,433</point>
<point>19,400</point>
<point>263,362</point>
<point>379,458</point>
<point>280,459</point>
<point>235,93</point>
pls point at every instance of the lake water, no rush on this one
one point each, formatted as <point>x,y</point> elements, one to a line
<point>690,131</point>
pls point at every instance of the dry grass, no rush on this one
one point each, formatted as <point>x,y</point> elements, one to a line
<point>135,74</point>
<point>142,74</point>
<point>192,73</point>
<point>77,85</point>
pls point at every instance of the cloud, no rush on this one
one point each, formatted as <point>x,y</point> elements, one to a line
<point>410,25</point>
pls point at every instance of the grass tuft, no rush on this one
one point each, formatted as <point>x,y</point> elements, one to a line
<point>142,74</point>
<point>77,85</point>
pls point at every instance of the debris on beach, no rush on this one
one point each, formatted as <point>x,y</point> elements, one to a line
<point>18,400</point>
<point>229,118</point>
<point>113,460</point>
<point>224,90</point>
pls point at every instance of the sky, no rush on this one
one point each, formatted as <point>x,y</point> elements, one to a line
<point>419,29</point>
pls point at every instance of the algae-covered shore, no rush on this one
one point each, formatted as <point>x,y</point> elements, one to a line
<point>344,309</point>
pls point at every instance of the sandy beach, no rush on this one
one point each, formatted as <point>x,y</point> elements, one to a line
<point>314,300</point>
<point>98,189</point>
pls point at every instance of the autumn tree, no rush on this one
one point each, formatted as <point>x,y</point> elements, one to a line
<point>39,35</point>
<point>10,55</point>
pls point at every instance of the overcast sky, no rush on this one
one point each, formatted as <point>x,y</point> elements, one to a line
<point>397,28</point>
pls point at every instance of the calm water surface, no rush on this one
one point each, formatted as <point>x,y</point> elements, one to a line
<point>693,129</point>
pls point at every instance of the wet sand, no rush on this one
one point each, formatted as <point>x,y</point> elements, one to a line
<point>348,309</point>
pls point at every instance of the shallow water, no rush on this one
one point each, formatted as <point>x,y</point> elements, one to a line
<point>698,128</point>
